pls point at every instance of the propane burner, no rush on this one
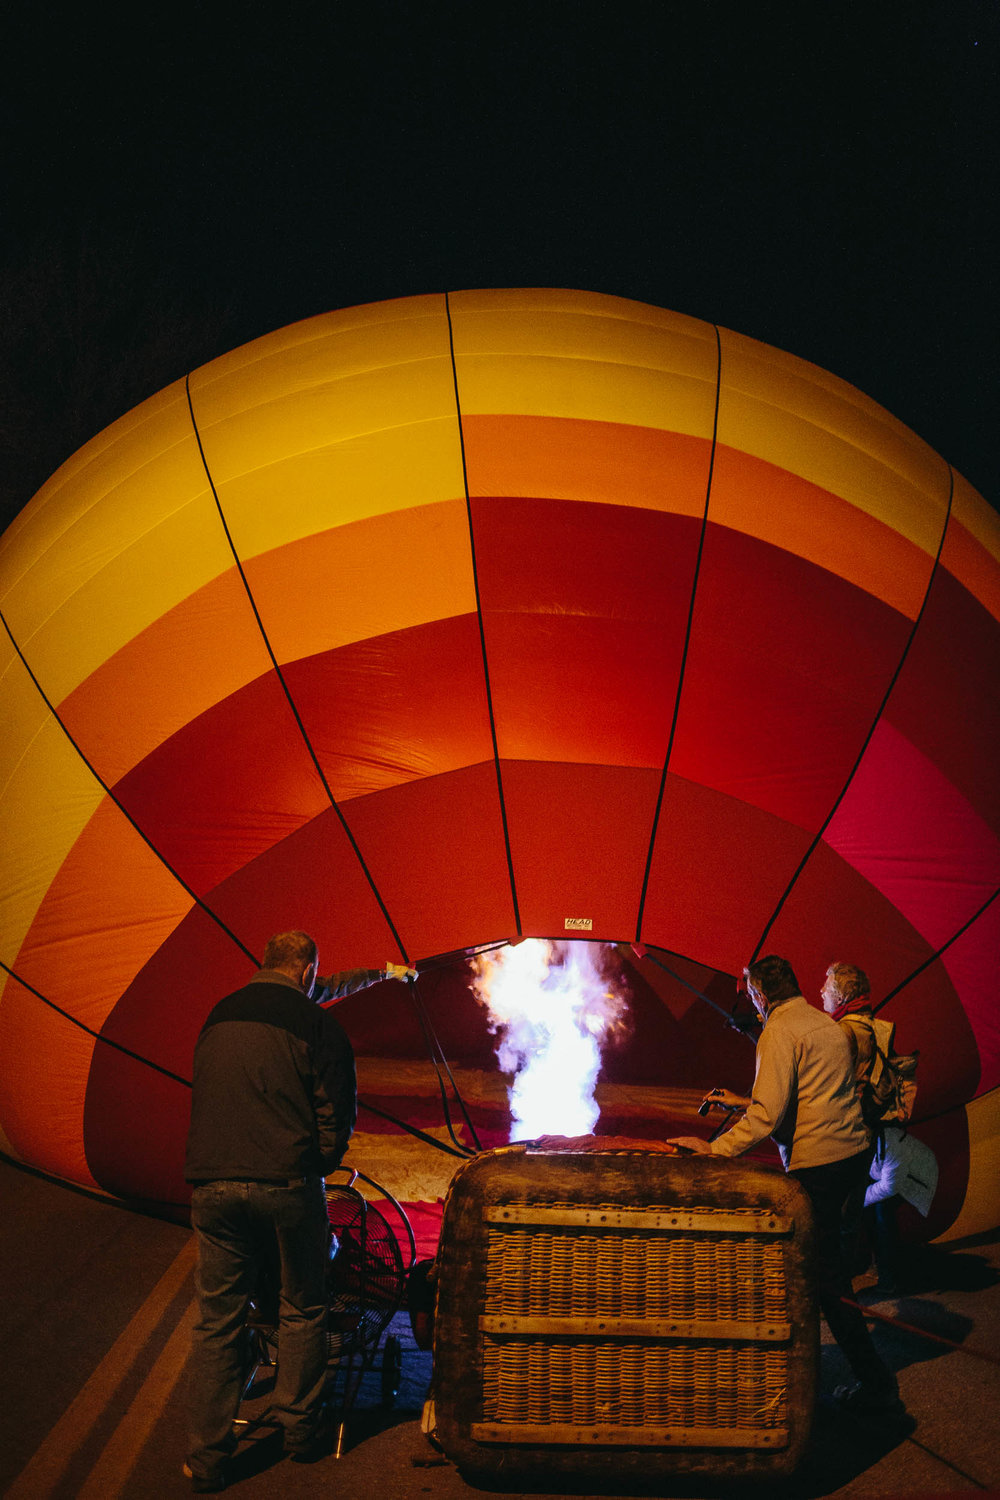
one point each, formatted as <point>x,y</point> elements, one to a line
<point>554,1007</point>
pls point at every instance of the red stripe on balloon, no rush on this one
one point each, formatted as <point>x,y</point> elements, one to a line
<point>435,849</point>
<point>231,784</point>
<point>947,699</point>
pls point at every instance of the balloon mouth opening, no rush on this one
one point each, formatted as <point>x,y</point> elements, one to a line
<point>553,1007</point>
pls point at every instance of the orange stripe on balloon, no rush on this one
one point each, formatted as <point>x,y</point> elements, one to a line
<point>366,579</point>
<point>109,908</point>
<point>571,459</point>
<point>362,580</point>
<point>558,457</point>
<point>43,1116</point>
<point>196,654</point>
<point>971,563</point>
<point>768,502</point>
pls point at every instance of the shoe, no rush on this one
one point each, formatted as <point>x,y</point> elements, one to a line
<point>869,1401</point>
<point>318,1446</point>
<point>204,1484</point>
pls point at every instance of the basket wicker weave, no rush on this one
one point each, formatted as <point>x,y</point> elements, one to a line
<point>628,1309</point>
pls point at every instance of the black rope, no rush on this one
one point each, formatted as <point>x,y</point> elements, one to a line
<point>121,806</point>
<point>482,627</point>
<point>726,1015</point>
<point>421,1135</point>
<point>687,645</point>
<point>433,1048</point>
<point>284,685</point>
<point>107,1041</point>
<point>867,740</point>
<point>437,1052</point>
<point>152,1206</point>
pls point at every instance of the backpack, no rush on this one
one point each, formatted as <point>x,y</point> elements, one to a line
<point>888,1094</point>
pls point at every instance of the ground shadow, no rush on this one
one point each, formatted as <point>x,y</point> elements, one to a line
<point>841,1448</point>
<point>911,1331</point>
<point>935,1268</point>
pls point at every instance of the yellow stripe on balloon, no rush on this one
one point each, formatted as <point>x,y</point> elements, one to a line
<point>776,407</point>
<point>47,797</point>
<point>594,365</point>
<point>338,483</point>
<point>57,516</point>
<point>346,423</point>
<point>144,535</point>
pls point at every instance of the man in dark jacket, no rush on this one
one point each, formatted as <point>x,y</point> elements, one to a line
<point>273,1105</point>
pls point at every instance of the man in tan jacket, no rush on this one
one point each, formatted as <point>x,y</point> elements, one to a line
<point>804,1097</point>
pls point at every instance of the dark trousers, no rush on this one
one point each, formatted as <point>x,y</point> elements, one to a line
<point>888,1257</point>
<point>853,1234</point>
<point>242,1229</point>
<point>829,1188</point>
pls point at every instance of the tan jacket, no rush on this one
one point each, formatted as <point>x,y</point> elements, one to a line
<point>804,1093</point>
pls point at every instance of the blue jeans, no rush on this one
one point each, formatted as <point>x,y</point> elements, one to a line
<point>244,1229</point>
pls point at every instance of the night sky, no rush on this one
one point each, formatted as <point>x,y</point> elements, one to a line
<point>820,176</point>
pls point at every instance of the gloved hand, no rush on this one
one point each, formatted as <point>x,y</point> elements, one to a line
<point>400,972</point>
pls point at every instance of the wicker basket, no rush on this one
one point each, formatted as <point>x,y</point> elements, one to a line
<point>625,1312</point>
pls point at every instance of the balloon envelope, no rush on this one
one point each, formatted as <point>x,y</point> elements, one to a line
<point>437,622</point>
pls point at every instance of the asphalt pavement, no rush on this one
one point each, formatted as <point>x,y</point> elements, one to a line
<point>96,1313</point>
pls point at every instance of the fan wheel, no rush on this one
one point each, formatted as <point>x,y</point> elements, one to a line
<point>366,1279</point>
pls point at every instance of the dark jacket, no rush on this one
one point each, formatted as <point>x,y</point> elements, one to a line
<point>275,1091</point>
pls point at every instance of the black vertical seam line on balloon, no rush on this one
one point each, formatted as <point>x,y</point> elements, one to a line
<point>872,728</point>
<point>203,905</point>
<point>482,627</point>
<point>938,952</point>
<point>284,685</point>
<point>107,1041</point>
<point>687,644</point>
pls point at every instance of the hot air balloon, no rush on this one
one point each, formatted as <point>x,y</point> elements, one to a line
<point>446,621</point>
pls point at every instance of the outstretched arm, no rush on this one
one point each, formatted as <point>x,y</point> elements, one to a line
<point>348,981</point>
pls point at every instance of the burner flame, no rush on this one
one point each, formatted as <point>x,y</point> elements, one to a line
<point>553,1006</point>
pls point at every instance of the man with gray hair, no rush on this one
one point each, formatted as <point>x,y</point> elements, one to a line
<point>273,1105</point>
